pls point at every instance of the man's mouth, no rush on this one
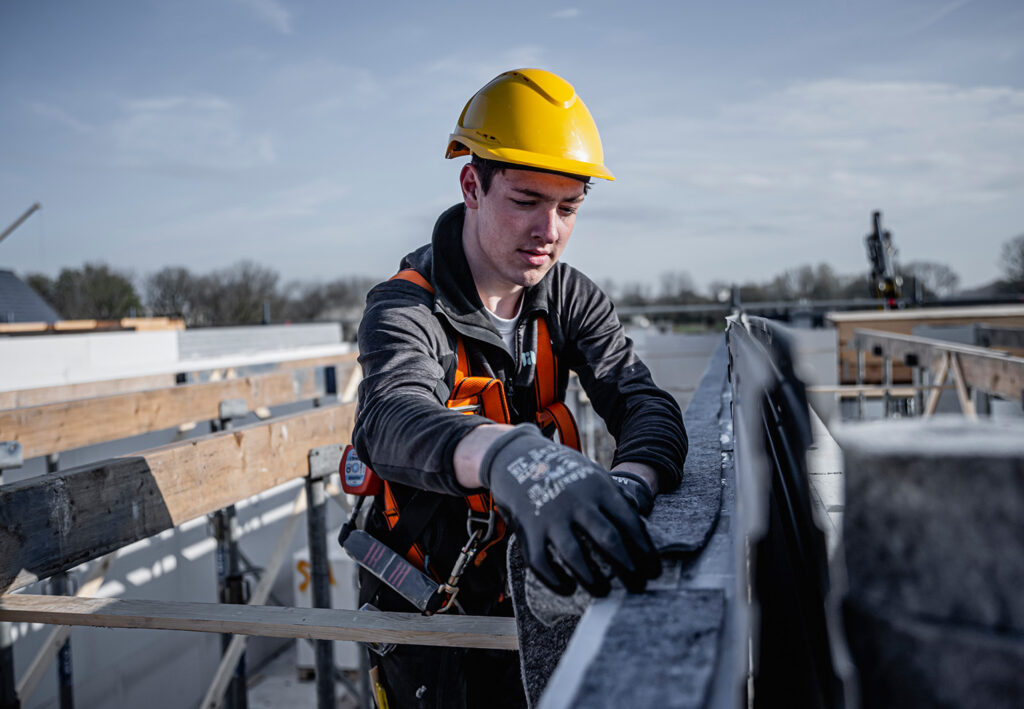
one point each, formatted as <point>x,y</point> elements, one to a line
<point>535,257</point>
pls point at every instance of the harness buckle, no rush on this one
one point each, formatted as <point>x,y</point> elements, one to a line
<point>480,522</point>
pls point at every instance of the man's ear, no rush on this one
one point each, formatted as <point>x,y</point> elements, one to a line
<point>469,180</point>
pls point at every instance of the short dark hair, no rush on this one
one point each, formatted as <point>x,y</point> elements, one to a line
<point>486,169</point>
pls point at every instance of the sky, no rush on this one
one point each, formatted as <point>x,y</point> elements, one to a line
<point>308,136</point>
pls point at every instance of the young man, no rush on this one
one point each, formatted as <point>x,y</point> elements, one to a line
<point>488,297</point>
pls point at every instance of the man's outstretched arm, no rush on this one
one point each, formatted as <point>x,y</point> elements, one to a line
<point>567,510</point>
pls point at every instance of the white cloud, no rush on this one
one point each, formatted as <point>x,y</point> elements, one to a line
<point>939,14</point>
<point>464,68</point>
<point>271,12</point>
<point>324,88</point>
<point>190,132</point>
<point>813,159</point>
<point>925,142</point>
<point>59,115</point>
<point>298,202</point>
<point>567,14</point>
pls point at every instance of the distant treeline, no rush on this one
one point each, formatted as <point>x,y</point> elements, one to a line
<point>808,282</point>
<point>242,294</point>
<point>246,293</point>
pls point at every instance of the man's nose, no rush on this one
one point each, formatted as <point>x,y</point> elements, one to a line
<point>546,228</point>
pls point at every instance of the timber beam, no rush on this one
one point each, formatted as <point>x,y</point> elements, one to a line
<point>988,370</point>
<point>106,387</point>
<point>493,633</point>
<point>52,428</point>
<point>55,522</point>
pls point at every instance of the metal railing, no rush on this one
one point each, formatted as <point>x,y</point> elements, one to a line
<point>973,369</point>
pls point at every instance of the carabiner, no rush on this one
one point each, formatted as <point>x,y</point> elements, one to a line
<point>466,555</point>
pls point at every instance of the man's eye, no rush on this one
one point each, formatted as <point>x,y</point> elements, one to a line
<point>524,202</point>
<point>568,211</point>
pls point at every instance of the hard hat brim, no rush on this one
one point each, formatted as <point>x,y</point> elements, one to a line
<point>461,145</point>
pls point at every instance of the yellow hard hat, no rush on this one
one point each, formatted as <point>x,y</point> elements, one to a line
<point>534,118</point>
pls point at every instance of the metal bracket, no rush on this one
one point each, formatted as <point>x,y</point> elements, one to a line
<point>324,461</point>
<point>233,409</point>
<point>11,455</point>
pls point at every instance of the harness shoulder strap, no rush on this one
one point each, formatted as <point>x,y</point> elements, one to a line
<point>545,379</point>
<point>551,411</point>
<point>413,276</point>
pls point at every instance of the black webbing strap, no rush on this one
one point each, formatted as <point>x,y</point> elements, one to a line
<point>413,519</point>
<point>415,515</point>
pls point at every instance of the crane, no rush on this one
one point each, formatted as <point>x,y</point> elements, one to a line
<point>886,284</point>
<point>18,222</point>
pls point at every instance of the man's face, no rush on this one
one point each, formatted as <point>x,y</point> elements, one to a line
<point>519,229</point>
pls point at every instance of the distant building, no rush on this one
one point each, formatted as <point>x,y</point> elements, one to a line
<point>19,303</point>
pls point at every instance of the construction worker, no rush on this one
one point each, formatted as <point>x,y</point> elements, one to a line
<point>487,300</point>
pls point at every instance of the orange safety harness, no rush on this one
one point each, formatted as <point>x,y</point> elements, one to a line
<point>486,396</point>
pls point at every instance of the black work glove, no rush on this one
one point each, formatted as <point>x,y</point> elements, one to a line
<point>636,490</point>
<point>559,501</point>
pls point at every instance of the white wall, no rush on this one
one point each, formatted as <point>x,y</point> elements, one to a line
<point>51,360</point>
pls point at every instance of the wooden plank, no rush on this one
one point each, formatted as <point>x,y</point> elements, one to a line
<point>152,324</point>
<point>898,345</point>
<point>160,380</point>
<point>82,390</point>
<point>20,328</point>
<point>940,379</point>
<point>229,657</point>
<point>52,428</point>
<point>903,322</point>
<point>51,646</point>
<point>138,324</point>
<point>1003,377</point>
<point>989,370</point>
<point>57,521</point>
<point>847,391</point>
<point>265,621</point>
<point>347,358</point>
<point>966,405</point>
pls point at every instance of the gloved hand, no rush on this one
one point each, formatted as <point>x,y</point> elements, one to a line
<point>636,490</point>
<point>560,502</point>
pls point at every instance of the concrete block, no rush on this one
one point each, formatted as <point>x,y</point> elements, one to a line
<point>934,519</point>
<point>908,663</point>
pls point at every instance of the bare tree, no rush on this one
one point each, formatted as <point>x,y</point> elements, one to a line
<point>174,291</point>
<point>340,299</point>
<point>676,286</point>
<point>236,295</point>
<point>936,279</point>
<point>1012,261</point>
